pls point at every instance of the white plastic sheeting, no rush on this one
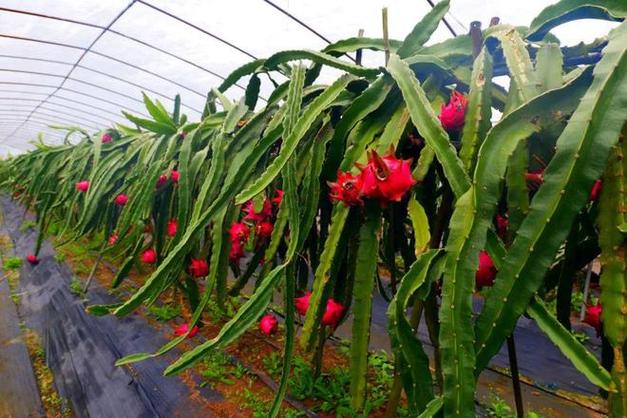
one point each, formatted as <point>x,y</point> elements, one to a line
<point>56,72</point>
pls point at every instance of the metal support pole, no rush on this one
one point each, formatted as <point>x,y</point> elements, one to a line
<point>586,290</point>
<point>359,52</point>
<point>513,366</point>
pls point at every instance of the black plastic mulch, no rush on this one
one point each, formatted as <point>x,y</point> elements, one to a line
<point>81,349</point>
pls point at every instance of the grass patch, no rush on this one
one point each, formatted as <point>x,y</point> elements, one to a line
<point>498,408</point>
<point>28,224</point>
<point>77,287</point>
<point>53,404</point>
<point>216,368</point>
<point>165,312</point>
<point>12,263</point>
<point>332,388</point>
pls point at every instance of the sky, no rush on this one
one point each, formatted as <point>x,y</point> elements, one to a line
<point>184,59</point>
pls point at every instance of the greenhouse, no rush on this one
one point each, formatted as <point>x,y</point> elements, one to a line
<point>273,208</point>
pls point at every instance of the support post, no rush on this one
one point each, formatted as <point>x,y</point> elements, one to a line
<point>513,366</point>
<point>386,38</point>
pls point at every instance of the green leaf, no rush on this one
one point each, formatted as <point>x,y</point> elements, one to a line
<point>365,133</point>
<point>432,408</point>
<point>456,337</point>
<point>428,125</point>
<point>133,358</point>
<point>101,310</point>
<point>582,359</point>
<point>423,30</point>
<point>157,127</point>
<point>517,191</point>
<point>234,180</point>
<point>159,114</point>
<point>420,225</point>
<point>365,270</point>
<point>294,99</point>
<point>176,113</point>
<point>394,130</point>
<point>243,71</point>
<point>252,91</point>
<point>224,101</point>
<point>288,306</point>
<point>568,10</point>
<point>549,66</point>
<point>366,103</point>
<point>478,113</point>
<point>518,61</point>
<point>321,58</point>
<point>233,116</point>
<point>471,220</point>
<point>354,44</point>
<point>290,142</point>
<point>321,276</point>
<point>581,154</point>
<point>612,204</point>
<point>407,347</point>
<point>457,50</point>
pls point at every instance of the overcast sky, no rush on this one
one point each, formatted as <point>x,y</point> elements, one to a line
<point>93,100</point>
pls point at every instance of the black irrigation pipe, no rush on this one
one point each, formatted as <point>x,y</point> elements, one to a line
<point>139,41</point>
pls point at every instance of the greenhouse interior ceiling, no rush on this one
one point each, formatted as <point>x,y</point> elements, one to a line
<point>298,208</point>
<point>67,63</point>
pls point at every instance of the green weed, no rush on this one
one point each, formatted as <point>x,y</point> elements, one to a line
<point>216,368</point>
<point>165,312</point>
<point>12,263</point>
<point>28,224</point>
<point>77,287</point>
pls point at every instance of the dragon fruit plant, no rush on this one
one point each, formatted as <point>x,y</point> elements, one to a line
<point>424,169</point>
